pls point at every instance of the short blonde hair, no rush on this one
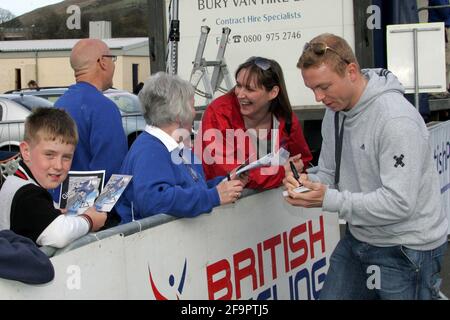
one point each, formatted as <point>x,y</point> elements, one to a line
<point>340,55</point>
<point>50,124</point>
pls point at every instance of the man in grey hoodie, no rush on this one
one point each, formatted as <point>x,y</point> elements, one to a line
<point>375,169</point>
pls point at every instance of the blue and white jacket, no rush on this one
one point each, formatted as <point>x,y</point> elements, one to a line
<point>164,182</point>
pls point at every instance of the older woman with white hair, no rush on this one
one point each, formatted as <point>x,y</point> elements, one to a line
<point>165,179</point>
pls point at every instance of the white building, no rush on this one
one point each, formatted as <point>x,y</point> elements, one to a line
<point>47,62</point>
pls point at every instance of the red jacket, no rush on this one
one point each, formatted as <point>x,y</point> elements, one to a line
<point>223,113</point>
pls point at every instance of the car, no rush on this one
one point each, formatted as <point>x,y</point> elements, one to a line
<point>129,106</point>
<point>13,110</point>
<point>28,101</point>
<point>50,93</point>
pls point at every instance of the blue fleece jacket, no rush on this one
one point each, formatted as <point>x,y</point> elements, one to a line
<point>21,260</point>
<point>102,142</point>
<point>160,185</point>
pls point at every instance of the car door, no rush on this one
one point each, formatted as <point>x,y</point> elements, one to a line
<point>12,133</point>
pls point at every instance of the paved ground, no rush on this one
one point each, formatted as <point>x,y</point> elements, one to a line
<point>445,272</point>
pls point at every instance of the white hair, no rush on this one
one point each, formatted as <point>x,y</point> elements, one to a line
<point>166,99</point>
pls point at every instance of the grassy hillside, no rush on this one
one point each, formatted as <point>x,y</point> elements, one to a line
<point>129,19</point>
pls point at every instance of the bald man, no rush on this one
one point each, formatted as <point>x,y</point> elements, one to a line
<point>102,142</point>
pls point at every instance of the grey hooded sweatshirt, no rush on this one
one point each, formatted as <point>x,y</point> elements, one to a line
<point>389,190</point>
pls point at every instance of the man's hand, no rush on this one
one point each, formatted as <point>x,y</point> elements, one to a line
<point>297,161</point>
<point>309,199</point>
<point>290,182</point>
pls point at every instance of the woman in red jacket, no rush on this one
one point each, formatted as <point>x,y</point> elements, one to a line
<point>243,125</point>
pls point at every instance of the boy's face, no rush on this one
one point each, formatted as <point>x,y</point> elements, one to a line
<point>48,160</point>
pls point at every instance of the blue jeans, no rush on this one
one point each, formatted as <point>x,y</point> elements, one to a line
<point>361,271</point>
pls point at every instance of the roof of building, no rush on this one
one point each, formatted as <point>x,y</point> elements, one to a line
<point>67,44</point>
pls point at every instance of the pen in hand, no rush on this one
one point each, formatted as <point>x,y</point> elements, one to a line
<point>295,172</point>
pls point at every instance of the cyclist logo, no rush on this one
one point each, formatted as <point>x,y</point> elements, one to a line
<point>158,295</point>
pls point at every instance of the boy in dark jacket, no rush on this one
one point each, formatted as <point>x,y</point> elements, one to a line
<point>27,207</point>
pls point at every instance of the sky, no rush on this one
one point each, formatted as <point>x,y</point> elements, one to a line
<point>19,7</point>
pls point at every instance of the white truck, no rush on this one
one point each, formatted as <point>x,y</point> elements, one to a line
<point>275,29</point>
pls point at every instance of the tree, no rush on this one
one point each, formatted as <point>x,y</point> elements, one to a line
<point>6,15</point>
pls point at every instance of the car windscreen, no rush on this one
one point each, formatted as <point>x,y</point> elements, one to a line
<point>127,103</point>
<point>32,102</point>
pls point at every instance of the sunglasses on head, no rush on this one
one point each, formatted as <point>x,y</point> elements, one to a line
<point>262,63</point>
<point>320,48</point>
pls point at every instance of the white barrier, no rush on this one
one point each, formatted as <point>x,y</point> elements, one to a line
<point>260,247</point>
<point>440,143</point>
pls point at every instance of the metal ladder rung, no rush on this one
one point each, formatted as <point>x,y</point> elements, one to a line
<point>220,70</point>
